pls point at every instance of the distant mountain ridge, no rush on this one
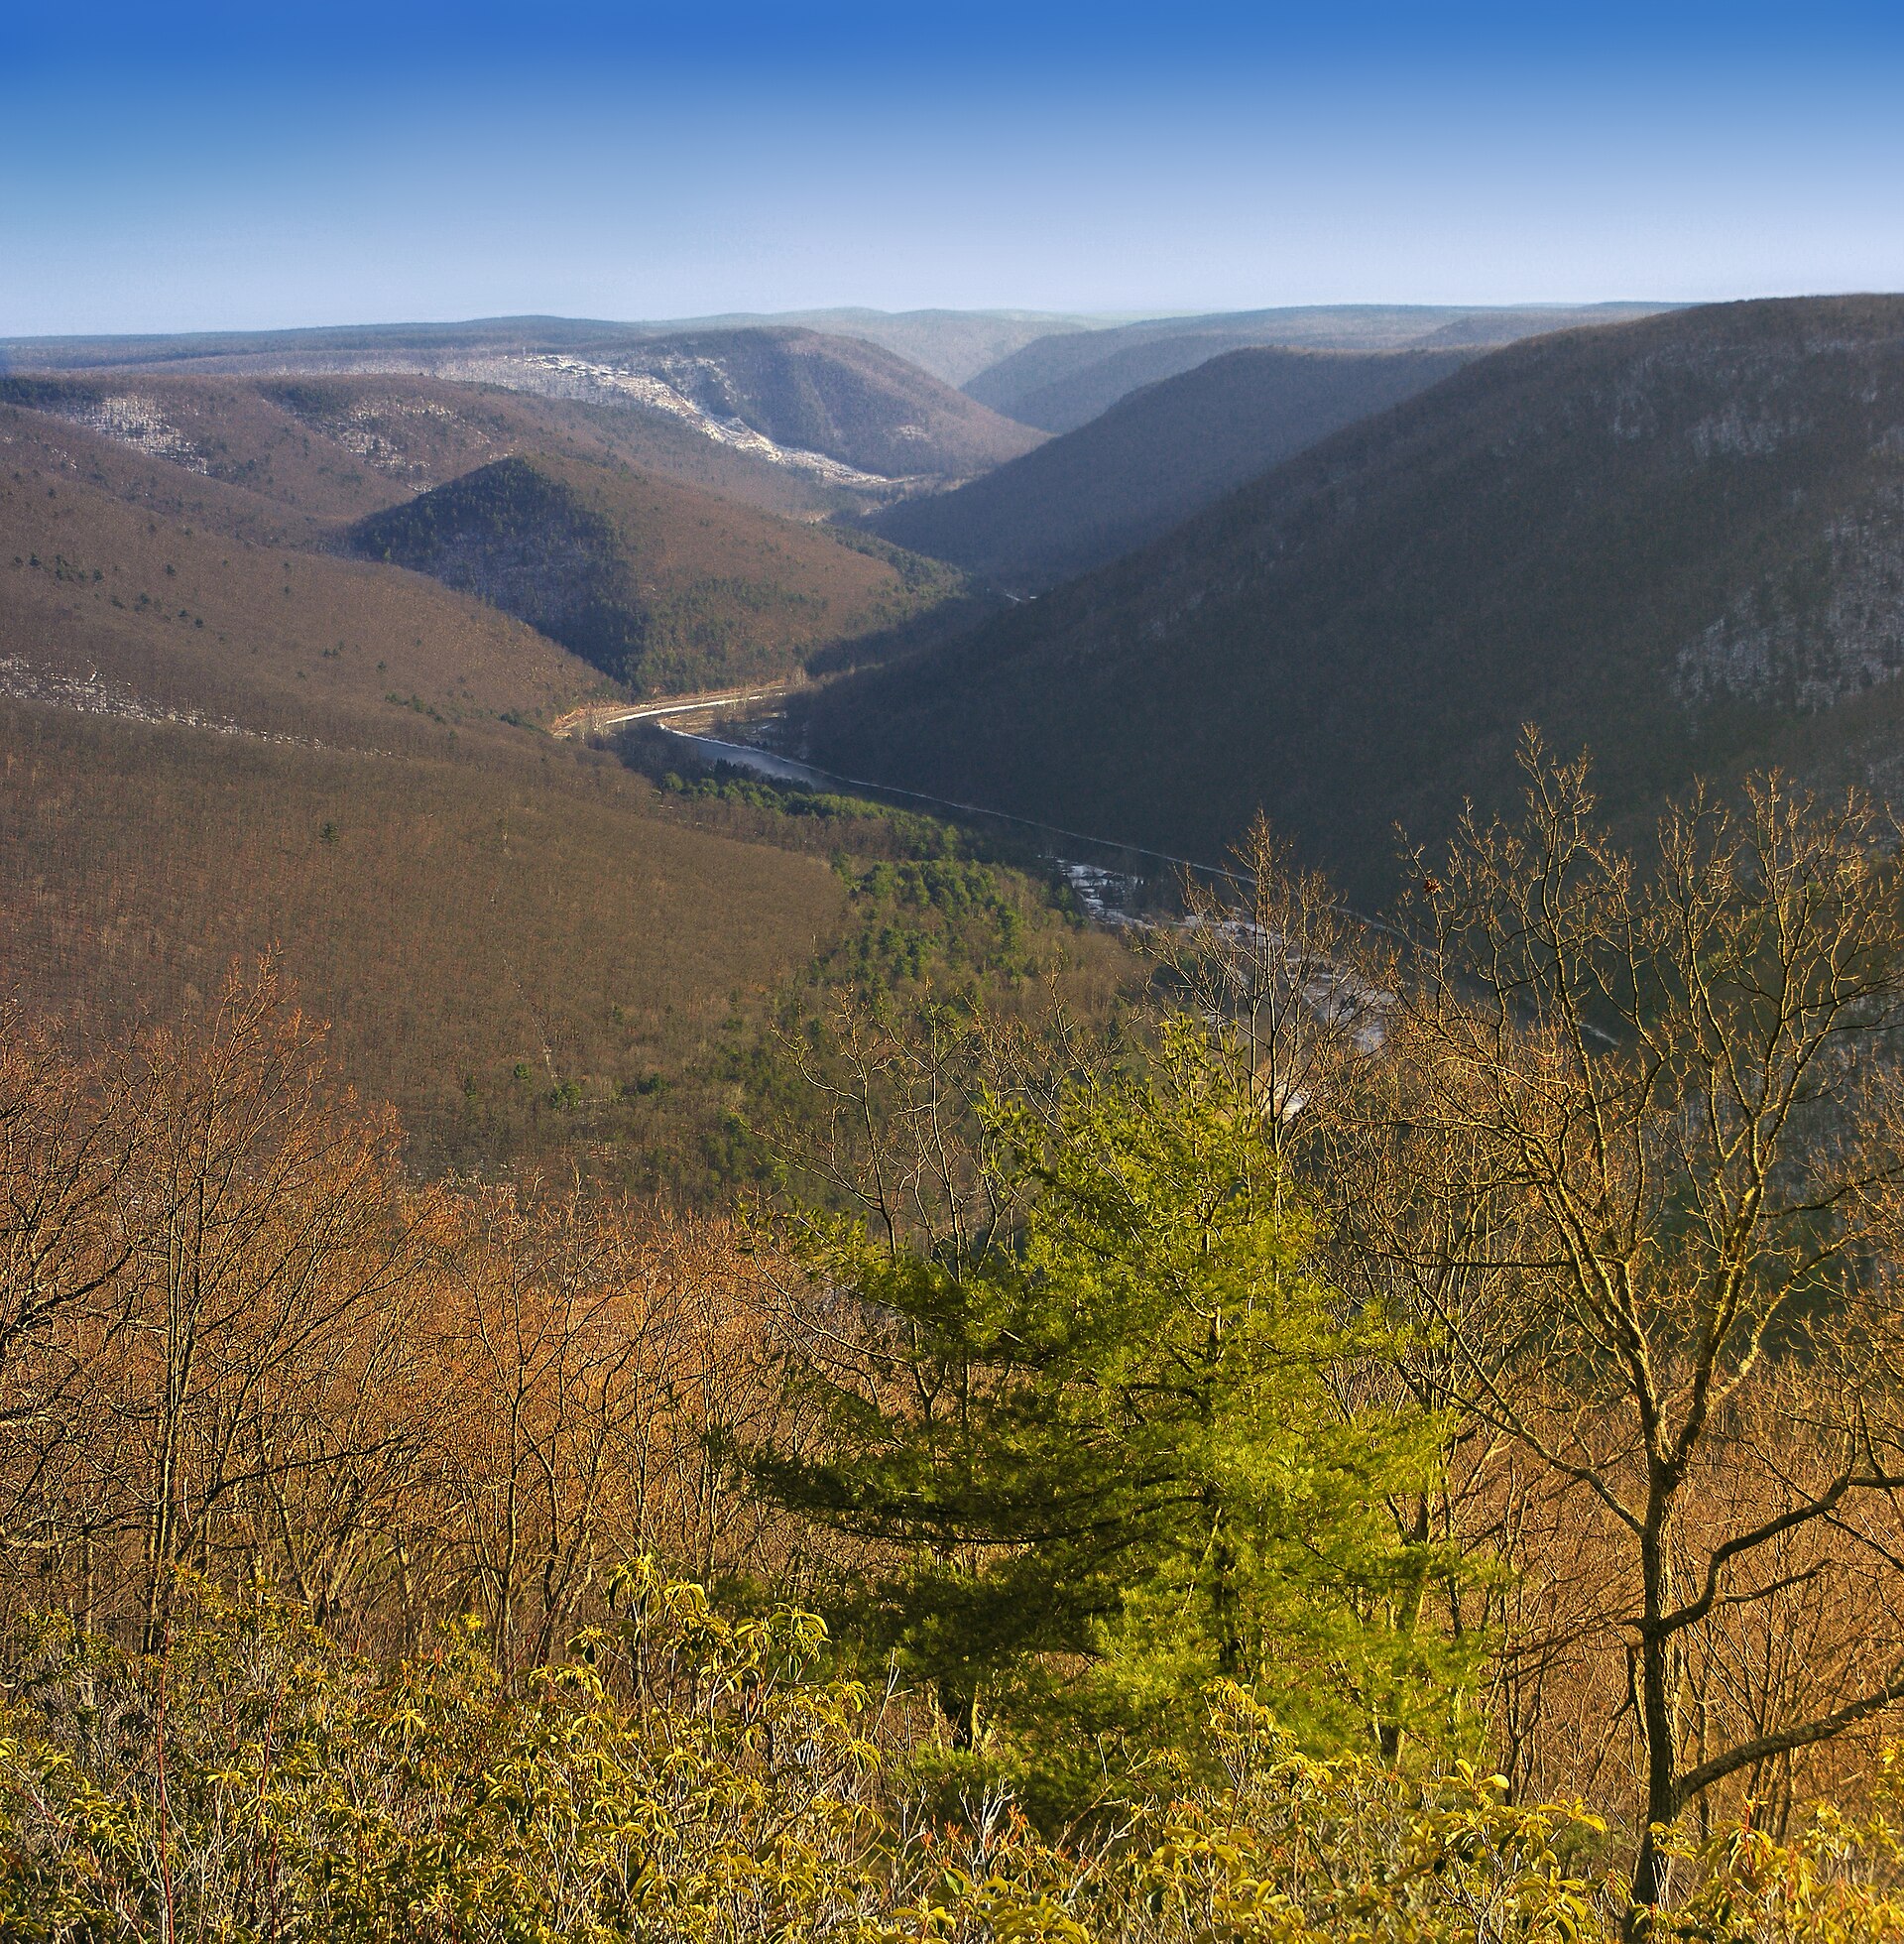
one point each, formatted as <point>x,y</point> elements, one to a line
<point>953,345</point>
<point>842,410</point>
<point>1152,460</point>
<point>337,446</point>
<point>1064,381</point>
<point>1679,541</point>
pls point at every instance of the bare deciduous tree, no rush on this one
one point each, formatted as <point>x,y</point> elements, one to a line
<point>66,1143</point>
<point>1645,1124</point>
<point>238,1341</point>
<point>265,1222</point>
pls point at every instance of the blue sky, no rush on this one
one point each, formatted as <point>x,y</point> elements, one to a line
<point>229,166</point>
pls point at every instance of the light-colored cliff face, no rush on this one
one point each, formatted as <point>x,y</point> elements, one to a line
<point>700,390</point>
<point>136,419</point>
<point>693,390</point>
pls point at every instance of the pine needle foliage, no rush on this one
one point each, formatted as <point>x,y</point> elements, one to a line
<point>1117,1450</point>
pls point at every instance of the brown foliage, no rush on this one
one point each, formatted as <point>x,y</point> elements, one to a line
<point>176,615</point>
<point>1622,1144</point>
<point>238,1343</point>
<point>483,939</point>
<point>583,1356</point>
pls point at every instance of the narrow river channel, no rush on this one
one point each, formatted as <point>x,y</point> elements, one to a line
<point>1109,880</point>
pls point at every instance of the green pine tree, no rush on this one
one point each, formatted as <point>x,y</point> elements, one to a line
<point>1117,1459</point>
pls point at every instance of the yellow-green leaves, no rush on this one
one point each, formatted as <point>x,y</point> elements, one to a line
<point>703,1781</point>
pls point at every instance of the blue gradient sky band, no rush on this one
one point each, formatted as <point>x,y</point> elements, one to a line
<point>204,167</point>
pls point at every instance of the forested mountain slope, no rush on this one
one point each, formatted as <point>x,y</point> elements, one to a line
<point>513,947</point>
<point>656,585</point>
<point>336,447</point>
<point>1153,459</point>
<point>219,737</point>
<point>1678,540</point>
<point>124,592</point>
<point>1065,380</point>
<point>211,747</point>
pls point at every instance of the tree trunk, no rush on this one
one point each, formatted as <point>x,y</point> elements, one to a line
<point>1651,1868</point>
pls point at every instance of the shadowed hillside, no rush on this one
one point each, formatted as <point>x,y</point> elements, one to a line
<point>656,585</point>
<point>682,586</point>
<point>1153,459</point>
<point>1678,540</point>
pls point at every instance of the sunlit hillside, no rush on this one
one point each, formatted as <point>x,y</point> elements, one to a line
<point>656,585</point>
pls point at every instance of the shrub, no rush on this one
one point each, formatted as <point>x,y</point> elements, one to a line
<point>693,1778</point>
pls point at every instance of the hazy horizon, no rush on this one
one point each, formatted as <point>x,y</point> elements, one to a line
<point>1097,317</point>
<point>230,172</point>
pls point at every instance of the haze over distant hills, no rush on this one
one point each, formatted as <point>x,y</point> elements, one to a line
<point>1050,370</point>
<point>1064,380</point>
<point>1152,460</point>
<point>840,413</point>
<point>952,346</point>
<point>1678,540</point>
